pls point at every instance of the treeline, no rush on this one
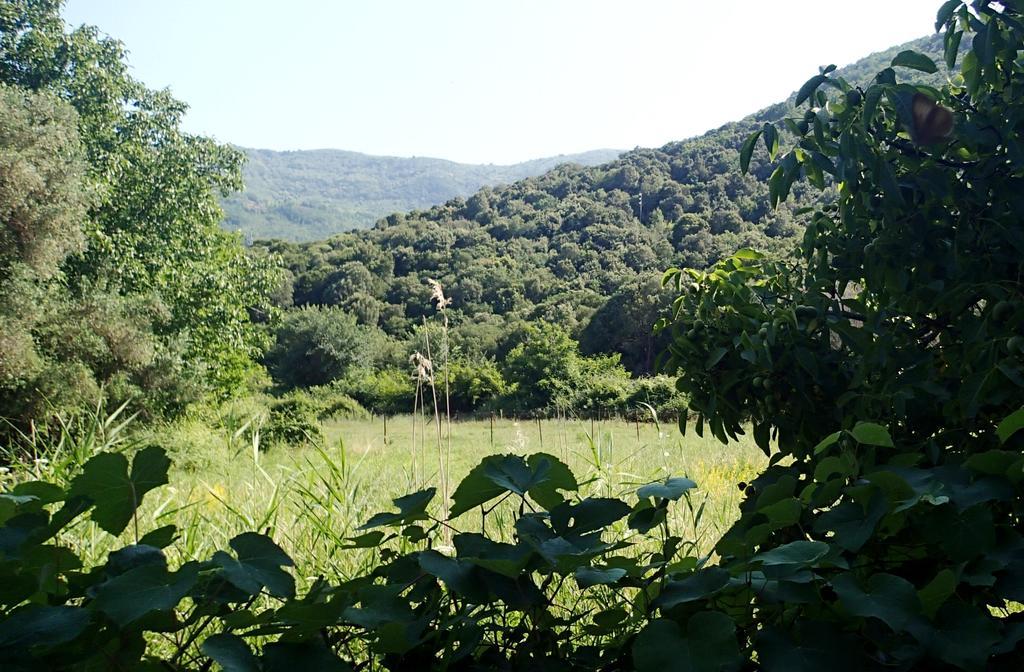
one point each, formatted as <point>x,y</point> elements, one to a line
<point>324,356</point>
<point>310,195</point>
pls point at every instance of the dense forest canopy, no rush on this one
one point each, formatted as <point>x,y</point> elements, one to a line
<point>581,247</point>
<point>310,195</point>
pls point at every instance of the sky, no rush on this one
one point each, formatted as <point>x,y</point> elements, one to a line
<point>486,81</point>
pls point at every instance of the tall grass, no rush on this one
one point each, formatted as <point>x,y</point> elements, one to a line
<point>312,499</point>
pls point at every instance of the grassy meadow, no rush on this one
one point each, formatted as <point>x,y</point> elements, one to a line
<point>310,499</point>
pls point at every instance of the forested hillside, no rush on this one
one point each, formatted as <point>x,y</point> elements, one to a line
<point>306,195</point>
<point>583,247</point>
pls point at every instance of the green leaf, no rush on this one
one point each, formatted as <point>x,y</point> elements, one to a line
<point>161,537</point>
<point>808,89</point>
<point>133,556</point>
<point>143,590</point>
<point>479,486</point>
<point>709,645</point>
<point>557,476</point>
<point>938,590</point>
<point>301,657</point>
<point>368,540</point>
<point>963,636</point>
<point>915,61</point>
<point>410,509</point>
<point>115,493</point>
<point>771,140</point>
<point>793,553</point>
<point>827,442</point>
<point>747,150</point>
<point>506,559</point>
<point>714,357</point>
<point>461,577</point>
<point>697,586</point>
<point>592,513</point>
<point>671,489</point>
<point>230,652</point>
<point>1010,425</point>
<point>945,13</point>
<point>871,434</point>
<point>32,625</point>
<point>891,599</point>
<point>258,565</point>
<point>597,576</point>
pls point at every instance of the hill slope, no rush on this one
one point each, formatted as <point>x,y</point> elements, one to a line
<point>580,246</point>
<point>306,195</point>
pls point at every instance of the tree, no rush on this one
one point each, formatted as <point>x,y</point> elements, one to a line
<point>882,368</point>
<point>153,227</point>
<point>316,346</point>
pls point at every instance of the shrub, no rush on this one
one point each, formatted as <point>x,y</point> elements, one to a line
<point>291,420</point>
<point>387,392</point>
<point>332,403</point>
<point>658,392</point>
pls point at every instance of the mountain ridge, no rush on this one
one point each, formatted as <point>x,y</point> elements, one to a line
<point>304,195</point>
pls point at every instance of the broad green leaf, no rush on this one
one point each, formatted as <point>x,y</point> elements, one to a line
<point>143,590</point>
<point>34,624</point>
<point>368,540</point>
<point>746,151</point>
<point>410,509</point>
<point>136,555</point>
<point>116,494</point>
<point>301,657</point>
<point>709,645</point>
<point>461,577</point>
<point>230,652</point>
<point>793,553</point>
<point>258,565</point>
<point>938,590</point>
<point>671,488</point>
<point>1010,425</point>
<point>595,576</point>
<point>915,61</point>
<point>479,485</point>
<point>891,599</point>
<point>506,559</point>
<point>161,537</point>
<point>697,586</point>
<point>43,492</point>
<point>821,646</point>
<point>592,513</point>
<point>963,635</point>
<point>952,41</point>
<point>871,434</point>
<point>945,13</point>
<point>557,476</point>
<point>827,442</point>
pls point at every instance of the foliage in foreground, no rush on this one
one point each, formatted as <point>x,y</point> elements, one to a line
<point>474,603</point>
<point>886,364</point>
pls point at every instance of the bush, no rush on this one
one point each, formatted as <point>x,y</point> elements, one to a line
<point>291,420</point>
<point>658,392</point>
<point>385,392</point>
<point>332,403</point>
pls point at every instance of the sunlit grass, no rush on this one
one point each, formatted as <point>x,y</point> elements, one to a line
<point>310,499</point>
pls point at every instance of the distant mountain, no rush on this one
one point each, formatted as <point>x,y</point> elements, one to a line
<point>308,195</point>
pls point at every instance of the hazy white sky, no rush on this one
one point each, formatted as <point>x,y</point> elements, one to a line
<point>487,81</point>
